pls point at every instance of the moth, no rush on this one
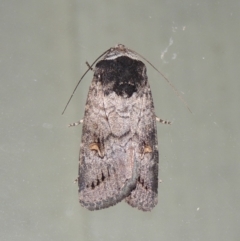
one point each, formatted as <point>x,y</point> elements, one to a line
<point>119,148</point>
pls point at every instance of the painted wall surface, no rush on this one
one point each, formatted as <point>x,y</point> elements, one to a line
<point>44,46</point>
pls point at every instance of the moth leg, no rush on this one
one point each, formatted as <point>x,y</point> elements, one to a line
<point>89,66</point>
<point>76,180</point>
<point>163,121</point>
<point>76,123</point>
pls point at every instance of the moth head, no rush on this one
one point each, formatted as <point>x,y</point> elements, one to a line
<point>118,51</point>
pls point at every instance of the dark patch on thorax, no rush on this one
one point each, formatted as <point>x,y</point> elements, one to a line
<point>122,75</point>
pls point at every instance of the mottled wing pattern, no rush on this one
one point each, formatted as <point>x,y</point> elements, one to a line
<point>118,152</point>
<point>145,195</point>
<point>107,171</point>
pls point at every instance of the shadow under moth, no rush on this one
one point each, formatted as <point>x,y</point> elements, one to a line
<point>119,149</point>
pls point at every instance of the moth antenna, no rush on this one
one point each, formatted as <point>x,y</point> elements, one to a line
<point>89,68</point>
<point>169,82</point>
